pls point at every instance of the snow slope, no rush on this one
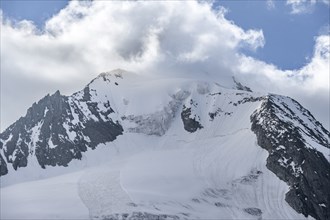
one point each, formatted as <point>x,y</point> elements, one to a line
<point>53,198</point>
<point>211,178</point>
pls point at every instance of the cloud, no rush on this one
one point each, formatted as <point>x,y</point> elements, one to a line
<point>304,6</point>
<point>301,6</point>
<point>309,85</point>
<point>270,4</point>
<point>179,37</point>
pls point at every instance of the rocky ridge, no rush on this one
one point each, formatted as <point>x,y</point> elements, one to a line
<point>307,171</point>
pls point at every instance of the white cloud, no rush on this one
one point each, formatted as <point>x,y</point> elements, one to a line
<point>87,38</point>
<point>270,4</point>
<point>327,2</point>
<point>301,6</point>
<point>305,6</point>
<point>309,85</point>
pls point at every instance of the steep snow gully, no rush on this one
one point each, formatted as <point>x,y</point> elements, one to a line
<point>132,146</point>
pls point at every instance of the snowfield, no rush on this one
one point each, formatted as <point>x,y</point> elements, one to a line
<point>212,178</point>
<point>53,198</point>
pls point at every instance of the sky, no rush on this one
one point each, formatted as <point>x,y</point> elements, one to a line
<point>275,46</point>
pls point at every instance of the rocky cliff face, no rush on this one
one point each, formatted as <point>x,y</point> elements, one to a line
<point>190,122</point>
<point>3,166</point>
<point>285,135</point>
<point>55,130</point>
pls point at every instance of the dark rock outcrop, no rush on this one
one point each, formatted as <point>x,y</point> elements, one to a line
<point>189,122</point>
<point>253,211</point>
<point>140,216</point>
<point>239,86</point>
<point>282,133</point>
<point>3,166</point>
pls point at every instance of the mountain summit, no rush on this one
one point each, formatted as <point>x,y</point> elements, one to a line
<point>172,148</point>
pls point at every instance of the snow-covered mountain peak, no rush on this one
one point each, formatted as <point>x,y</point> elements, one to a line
<point>181,147</point>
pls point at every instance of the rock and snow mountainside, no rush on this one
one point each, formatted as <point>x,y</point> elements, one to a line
<point>140,147</point>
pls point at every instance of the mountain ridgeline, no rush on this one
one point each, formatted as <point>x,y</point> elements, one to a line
<point>47,130</point>
<point>59,129</point>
